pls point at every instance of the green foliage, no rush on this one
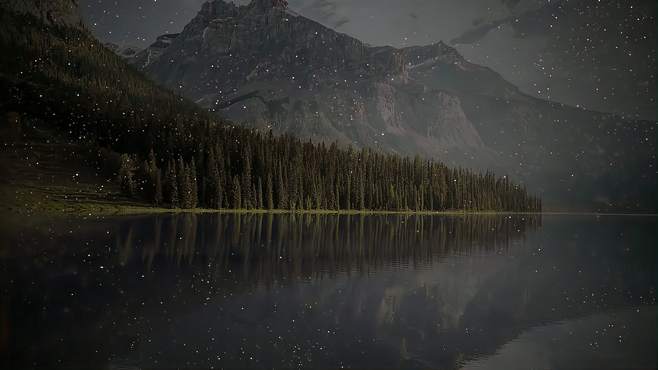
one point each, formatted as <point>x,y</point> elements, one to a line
<point>126,175</point>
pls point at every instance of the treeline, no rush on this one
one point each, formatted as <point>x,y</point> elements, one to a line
<point>178,155</point>
<point>239,169</point>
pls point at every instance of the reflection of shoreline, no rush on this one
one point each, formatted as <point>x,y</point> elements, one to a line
<point>267,246</point>
<point>71,208</point>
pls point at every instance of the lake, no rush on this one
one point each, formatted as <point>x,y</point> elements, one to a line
<point>326,291</point>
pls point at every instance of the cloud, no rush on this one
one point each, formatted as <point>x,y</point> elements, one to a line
<point>478,33</point>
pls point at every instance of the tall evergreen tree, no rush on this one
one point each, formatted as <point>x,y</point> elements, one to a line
<point>213,182</point>
<point>194,186</point>
<point>282,191</point>
<point>171,182</point>
<point>237,193</point>
<point>126,174</point>
<point>259,194</point>
<point>158,196</point>
<point>270,192</point>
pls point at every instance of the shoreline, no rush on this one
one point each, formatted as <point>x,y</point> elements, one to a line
<point>31,200</point>
<point>100,209</point>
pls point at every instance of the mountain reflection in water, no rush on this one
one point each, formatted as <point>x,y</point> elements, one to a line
<point>263,291</point>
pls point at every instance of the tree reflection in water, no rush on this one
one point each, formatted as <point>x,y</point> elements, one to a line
<point>270,246</point>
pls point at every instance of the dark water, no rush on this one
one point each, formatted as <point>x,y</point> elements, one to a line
<point>262,291</point>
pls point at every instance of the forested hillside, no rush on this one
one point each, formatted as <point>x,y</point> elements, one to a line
<point>172,153</point>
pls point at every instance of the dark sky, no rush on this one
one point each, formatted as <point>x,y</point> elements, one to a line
<point>579,52</point>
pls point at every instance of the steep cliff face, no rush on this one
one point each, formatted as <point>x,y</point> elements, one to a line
<point>151,54</point>
<point>265,66</point>
<point>55,12</point>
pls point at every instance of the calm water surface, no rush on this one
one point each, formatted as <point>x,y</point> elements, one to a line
<point>310,291</point>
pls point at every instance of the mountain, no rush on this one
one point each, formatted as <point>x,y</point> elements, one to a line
<point>597,54</point>
<point>78,122</point>
<point>265,66</point>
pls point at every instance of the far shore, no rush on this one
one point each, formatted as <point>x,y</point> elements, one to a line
<point>109,208</point>
<point>33,199</point>
<point>156,210</point>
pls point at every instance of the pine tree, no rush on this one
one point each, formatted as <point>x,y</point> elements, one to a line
<point>362,195</point>
<point>186,186</point>
<point>282,192</point>
<point>172,185</point>
<point>270,192</point>
<point>213,182</point>
<point>154,181</point>
<point>194,186</point>
<point>158,197</point>
<point>259,194</point>
<point>181,182</point>
<point>237,194</point>
<point>246,187</point>
<point>126,174</point>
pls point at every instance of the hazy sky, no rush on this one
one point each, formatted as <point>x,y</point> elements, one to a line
<point>392,22</point>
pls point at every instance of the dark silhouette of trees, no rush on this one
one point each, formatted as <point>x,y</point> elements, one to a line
<point>331,178</point>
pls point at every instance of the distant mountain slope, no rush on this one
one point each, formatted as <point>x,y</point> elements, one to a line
<point>265,66</point>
